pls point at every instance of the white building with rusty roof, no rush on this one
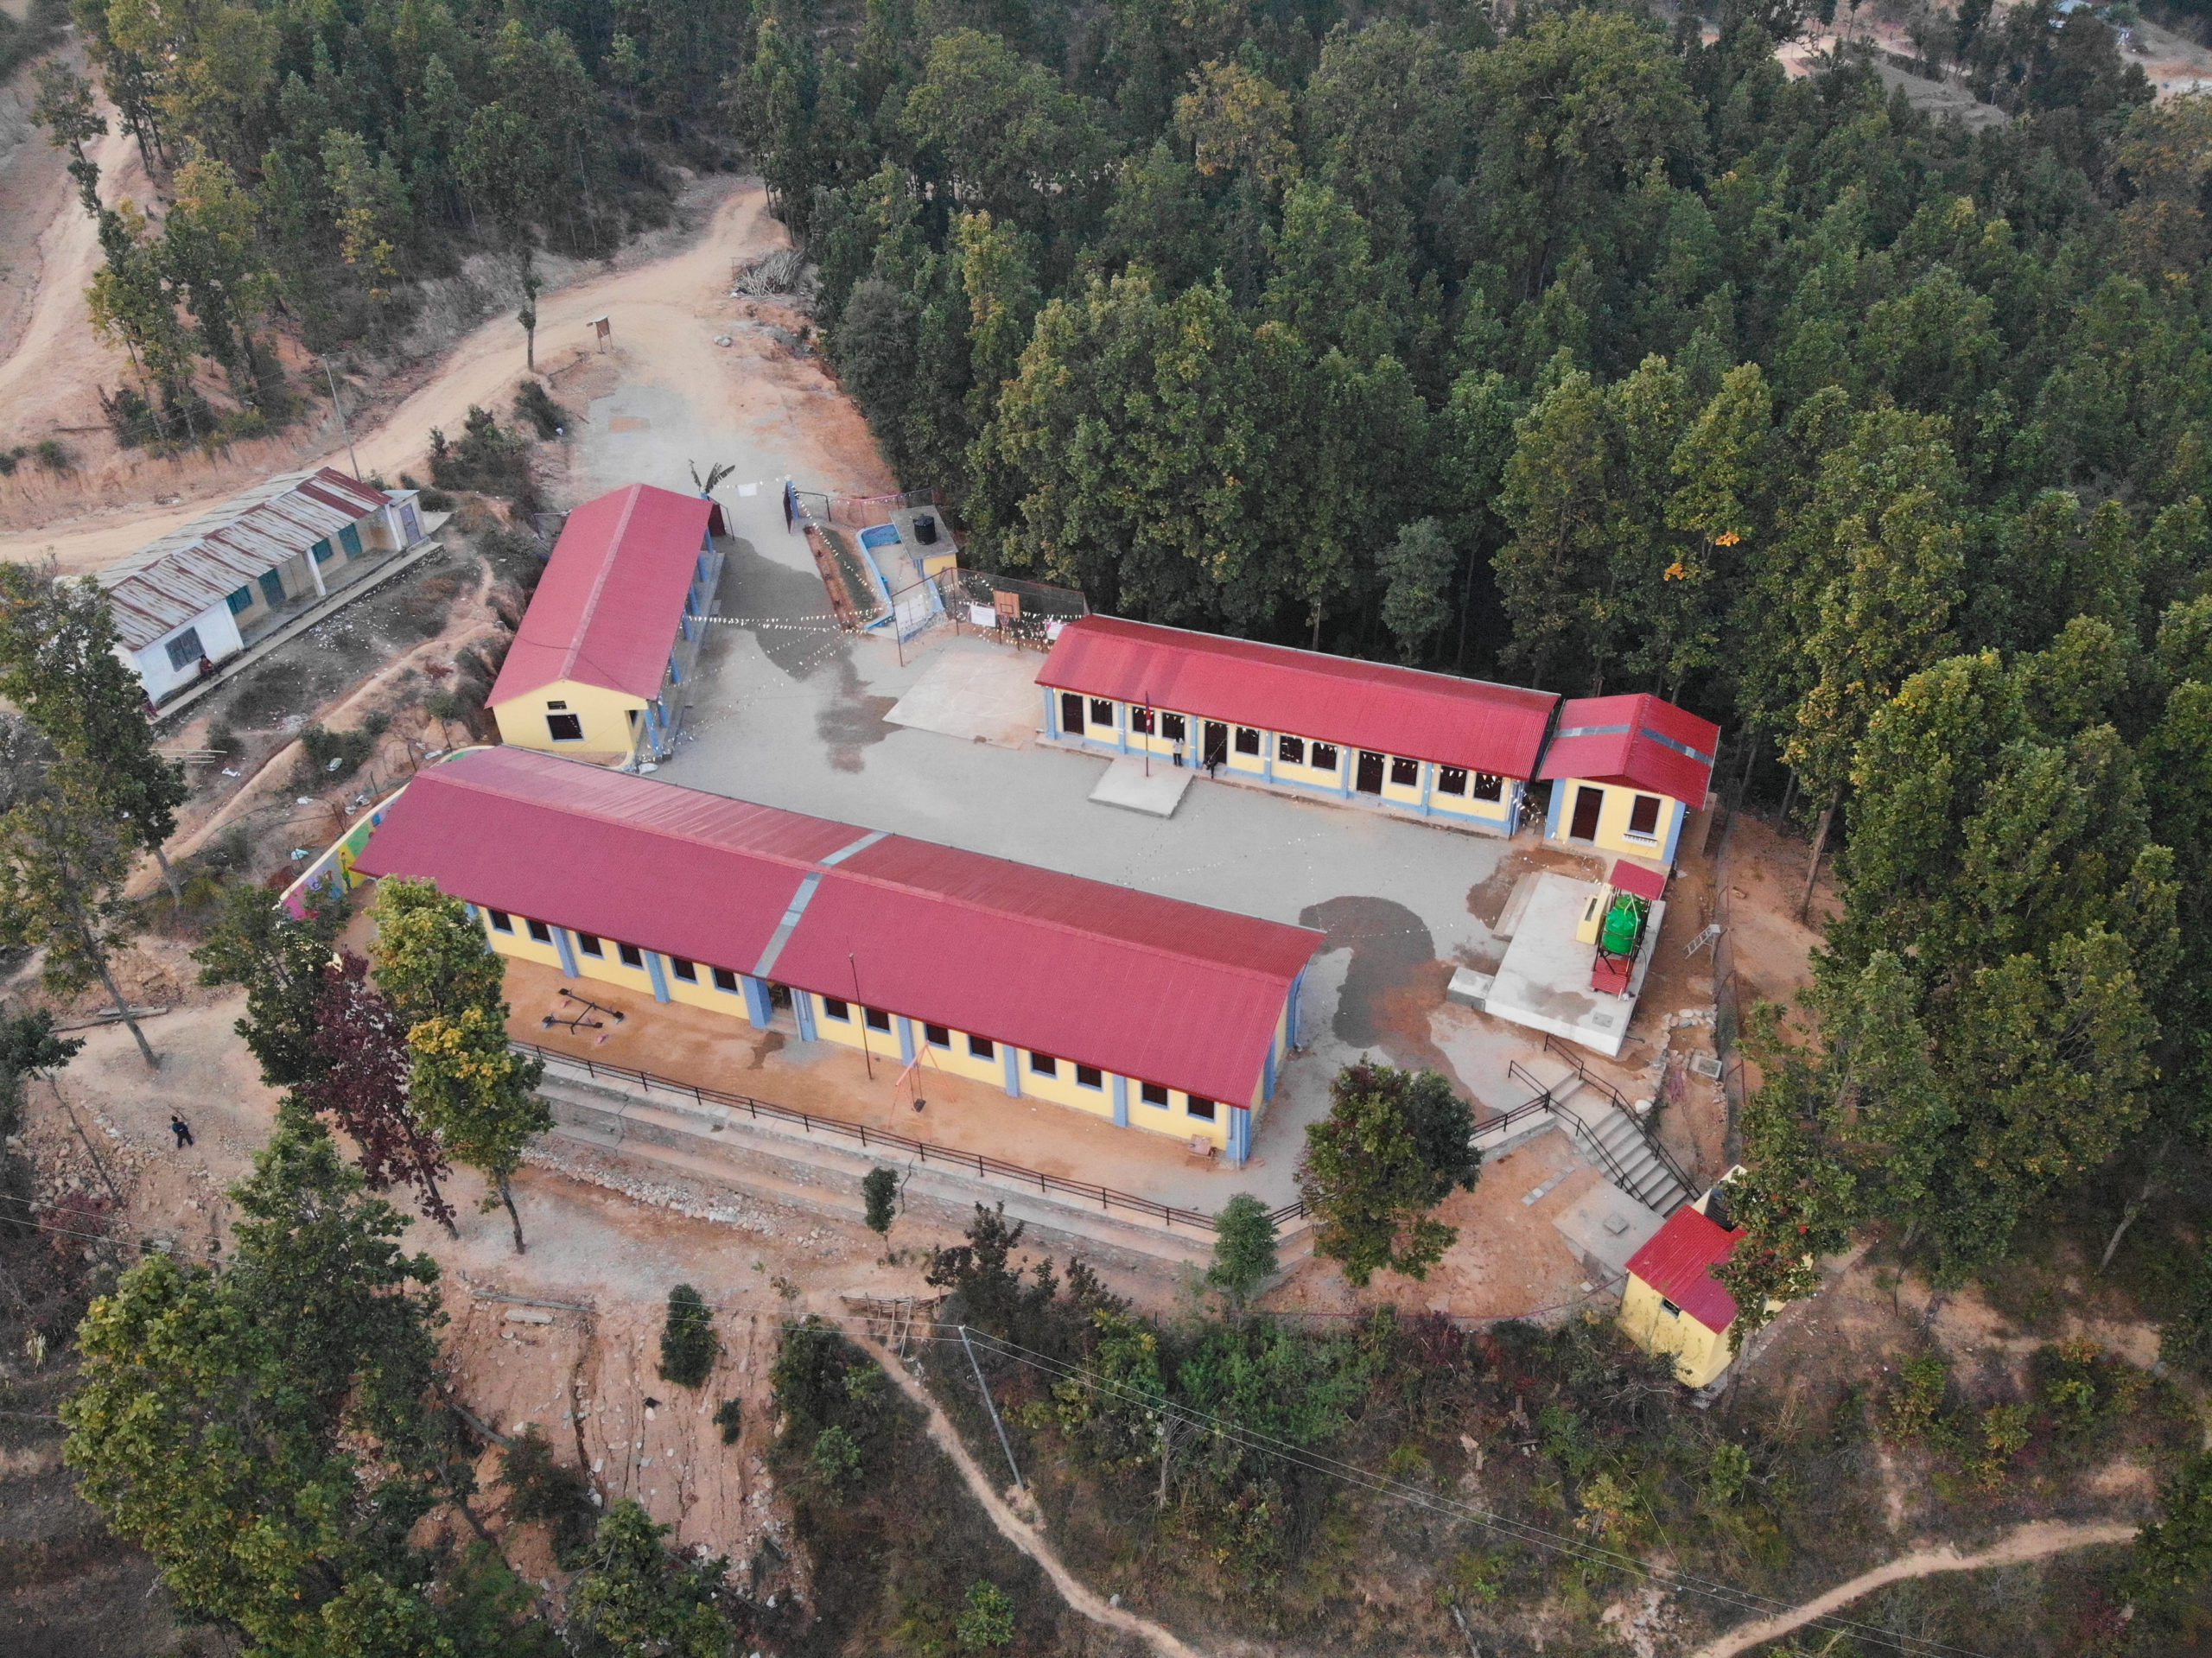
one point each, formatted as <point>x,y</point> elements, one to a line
<point>205,590</point>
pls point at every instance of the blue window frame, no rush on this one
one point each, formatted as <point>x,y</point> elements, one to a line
<point>272,588</point>
<point>323,551</point>
<point>350,539</point>
<point>240,601</point>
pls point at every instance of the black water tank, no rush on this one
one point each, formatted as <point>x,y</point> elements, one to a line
<point>926,530</point>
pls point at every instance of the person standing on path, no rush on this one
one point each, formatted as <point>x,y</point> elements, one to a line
<point>181,1129</point>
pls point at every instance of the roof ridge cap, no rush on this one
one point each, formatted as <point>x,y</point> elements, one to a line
<point>573,653</point>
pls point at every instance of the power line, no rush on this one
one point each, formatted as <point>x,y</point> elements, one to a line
<point>1528,1535</point>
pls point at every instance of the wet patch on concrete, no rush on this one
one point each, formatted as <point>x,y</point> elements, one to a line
<point>853,721</point>
<point>1394,981</point>
<point>1486,899</point>
<point>784,609</point>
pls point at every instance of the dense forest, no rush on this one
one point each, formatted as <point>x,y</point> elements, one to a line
<point>1576,345</point>
<point>1594,353</point>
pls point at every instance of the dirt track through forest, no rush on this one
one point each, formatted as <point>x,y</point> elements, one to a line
<point>2029,1542</point>
<point>1018,1532</point>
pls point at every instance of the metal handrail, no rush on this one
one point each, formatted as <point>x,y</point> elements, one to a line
<point>1666,1159</point>
<point>1104,1197</point>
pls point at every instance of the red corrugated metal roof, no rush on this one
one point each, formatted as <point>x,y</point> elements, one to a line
<point>168,583</point>
<point>1371,705</point>
<point>1634,878</point>
<point>606,610</point>
<point>1147,986</point>
<point>1678,1260</point>
<point>1639,742</point>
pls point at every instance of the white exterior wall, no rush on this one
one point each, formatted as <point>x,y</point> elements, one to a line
<point>218,638</point>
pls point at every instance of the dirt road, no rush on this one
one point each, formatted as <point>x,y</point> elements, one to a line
<point>665,315</point>
<point>2030,1542</point>
<point>1023,1535</point>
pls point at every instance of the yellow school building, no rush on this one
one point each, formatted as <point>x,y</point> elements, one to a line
<point>1461,751</point>
<point>1148,1013</point>
<point>1626,773</point>
<point>597,669</point>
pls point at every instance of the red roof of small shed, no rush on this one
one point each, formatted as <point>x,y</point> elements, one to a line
<point>1371,705</point>
<point>1637,742</point>
<point>1635,878</point>
<point>607,608</point>
<point>1146,987</point>
<point>1678,1262</point>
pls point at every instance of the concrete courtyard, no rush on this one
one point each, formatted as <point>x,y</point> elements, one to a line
<point>787,710</point>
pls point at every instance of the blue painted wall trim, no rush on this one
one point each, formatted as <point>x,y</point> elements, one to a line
<point>1121,1101</point>
<point>1297,985</point>
<point>905,1027</point>
<point>1551,816</point>
<point>1268,1081</point>
<point>1674,833</point>
<point>757,1008</point>
<point>657,974</point>
<point>802,1007</point>
<point>567,946</point>
<point>1240,1135</point>
<point>1010,1054</point>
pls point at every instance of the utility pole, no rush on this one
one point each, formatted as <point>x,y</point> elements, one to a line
<point>868,1059</point>
<point>339,410</point>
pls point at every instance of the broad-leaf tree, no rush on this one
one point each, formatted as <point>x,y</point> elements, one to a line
<point>466,1085</point>
<point>362,1084</point>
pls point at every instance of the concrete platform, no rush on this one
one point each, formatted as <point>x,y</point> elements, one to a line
<point>978,693</point>
<point>1125,784</point>
<point>1543,982</point>
<point>1605,1226</point>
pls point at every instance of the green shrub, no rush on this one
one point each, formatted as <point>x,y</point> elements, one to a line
<point>53,455</point>
<point>1243,1247</point>
<point>334,755</point>
<point>729,1417</point>
<point>687,1343</point>
<point>987,1621</point>
<point>879,1191</point>
<point>535,407</point>
<point>488,458</point>
<point>1912,1410</point>
<point>835,1457</point>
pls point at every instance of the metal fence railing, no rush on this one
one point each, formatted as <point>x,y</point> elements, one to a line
<point>978,1163</point>
<point>1010,608</point>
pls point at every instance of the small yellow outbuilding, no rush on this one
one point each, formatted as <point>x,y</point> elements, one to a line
<point>612,630</point>
<point>1674,1304</point>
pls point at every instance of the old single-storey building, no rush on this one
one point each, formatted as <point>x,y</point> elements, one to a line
<point>1147,1012</point>
<point>612,630</point>
<point>1626,773</point>
<point>206,590</point>
<point>1672,1303</point>
<point>1428,744</point>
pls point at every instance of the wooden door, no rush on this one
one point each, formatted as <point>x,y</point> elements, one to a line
<point>1587,802</point>
<point>1216,743</point>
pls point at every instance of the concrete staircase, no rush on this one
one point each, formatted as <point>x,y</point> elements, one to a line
<point>1564,1096</point>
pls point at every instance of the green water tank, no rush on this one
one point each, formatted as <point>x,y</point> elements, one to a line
<point>1624,924</point>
